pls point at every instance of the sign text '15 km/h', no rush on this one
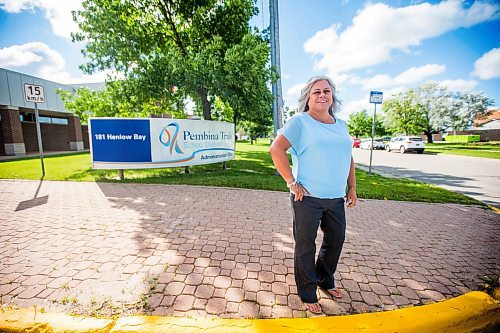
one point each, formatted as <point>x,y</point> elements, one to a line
<point>34,93</point>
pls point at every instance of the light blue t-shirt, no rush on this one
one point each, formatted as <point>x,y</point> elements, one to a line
<point>321,154</point>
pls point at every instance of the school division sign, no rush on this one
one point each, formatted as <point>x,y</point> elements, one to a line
<point>133,143</point>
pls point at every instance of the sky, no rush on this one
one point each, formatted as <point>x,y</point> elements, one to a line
<point>387,46</point>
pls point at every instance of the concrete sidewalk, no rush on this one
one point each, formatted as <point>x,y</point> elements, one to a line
<point>105,248</point>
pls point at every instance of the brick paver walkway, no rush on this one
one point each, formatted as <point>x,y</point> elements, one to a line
<point>198,251</point>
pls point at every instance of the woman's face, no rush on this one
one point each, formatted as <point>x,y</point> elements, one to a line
<point>320,96</point>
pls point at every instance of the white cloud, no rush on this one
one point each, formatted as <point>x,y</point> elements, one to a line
<point>15,6</point>
<point>417,74</point>
<point>57,12</point>
<point>38,59</point>
<point>292,95</point>
<point>458,85</point>
<point>15,56</point>
<point>355,106</point>
<point>378,30</point>
<point>94,78</point>
<point>389,93</point>
<point>340,78</point>
<point>409,77</point>
<point>19,55</point>
<point>488,65</point>
<point>295,89</point>
<point>364,104</point>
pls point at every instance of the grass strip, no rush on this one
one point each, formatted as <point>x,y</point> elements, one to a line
<point>478,149</point>
<point>251,169</point>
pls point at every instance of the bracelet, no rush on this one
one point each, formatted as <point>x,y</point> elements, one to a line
<point>292,183</point>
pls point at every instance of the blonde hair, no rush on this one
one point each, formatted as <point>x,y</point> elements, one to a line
<point>304,94</point>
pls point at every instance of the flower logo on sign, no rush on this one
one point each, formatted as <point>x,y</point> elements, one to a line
<point>169,139</point>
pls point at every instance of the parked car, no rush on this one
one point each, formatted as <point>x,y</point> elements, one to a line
<point>406,143</point>
<point>367,144</point>
<point>356,142</point>
<point>384,139</point>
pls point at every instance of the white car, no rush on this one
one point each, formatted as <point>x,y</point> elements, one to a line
<point>406,143</point>
<point>367,144</point>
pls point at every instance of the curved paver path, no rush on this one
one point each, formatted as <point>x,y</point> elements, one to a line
<point>106,248</point>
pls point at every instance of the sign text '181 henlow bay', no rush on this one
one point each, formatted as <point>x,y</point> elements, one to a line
<point>133,143</point>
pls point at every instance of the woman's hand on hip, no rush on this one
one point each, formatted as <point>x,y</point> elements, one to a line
<point>299,191</point>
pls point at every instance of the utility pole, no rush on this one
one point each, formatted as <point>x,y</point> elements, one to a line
<point>275,62</point>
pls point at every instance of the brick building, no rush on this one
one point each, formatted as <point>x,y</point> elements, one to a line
<point>60,129</point>
<point>491,121</point>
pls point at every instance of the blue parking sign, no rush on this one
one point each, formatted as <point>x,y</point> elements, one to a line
<point>376,97</point>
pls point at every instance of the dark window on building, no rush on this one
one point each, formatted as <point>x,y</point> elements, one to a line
<point>27,117</point>
<point>30,117</point>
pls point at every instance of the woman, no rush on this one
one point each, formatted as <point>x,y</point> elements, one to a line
<point>321,151</point>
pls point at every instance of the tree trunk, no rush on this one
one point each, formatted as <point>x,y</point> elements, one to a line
<point>429,136</point>
<point>207,108</point>
<point>235,119</point>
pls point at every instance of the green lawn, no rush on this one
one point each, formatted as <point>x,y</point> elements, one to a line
<point>251,169</point>
<point>486,150</point>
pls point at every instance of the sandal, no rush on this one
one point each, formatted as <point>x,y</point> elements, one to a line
<point>313,308</point>
<point>335,293</point>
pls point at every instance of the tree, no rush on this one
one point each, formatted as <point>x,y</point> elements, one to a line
<point>287,113</point>
<point>256,130</point>
<point>432,109</point>
<point>466,107</point>
<point>244,75</point>
<point>360,124</point>
<point>116,100</point>
<point>435,107</point>
<point>222,111</point>
<point>443,109</point>
<point>204,47</point>
<point>403,113</point>
<point>380,129</point>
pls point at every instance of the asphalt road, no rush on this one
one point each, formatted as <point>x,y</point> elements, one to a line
<point>472,176</point>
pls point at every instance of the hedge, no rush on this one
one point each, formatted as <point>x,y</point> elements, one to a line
<point>463,138</point>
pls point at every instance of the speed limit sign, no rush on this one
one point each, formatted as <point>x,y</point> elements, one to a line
<point>34,93</point>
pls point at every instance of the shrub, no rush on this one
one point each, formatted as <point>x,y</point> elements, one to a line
<point>463,138</point>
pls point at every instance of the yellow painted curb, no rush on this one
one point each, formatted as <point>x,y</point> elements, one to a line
<point>29,320</point>
<point>467,313</point>
<point>496,210</point>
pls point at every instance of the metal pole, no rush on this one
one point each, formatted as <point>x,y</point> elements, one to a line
<point>275,62</point>
<point>373,134</point>
<point>39,136</point>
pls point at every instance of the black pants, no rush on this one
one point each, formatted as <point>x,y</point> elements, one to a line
<point>308,215</point>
